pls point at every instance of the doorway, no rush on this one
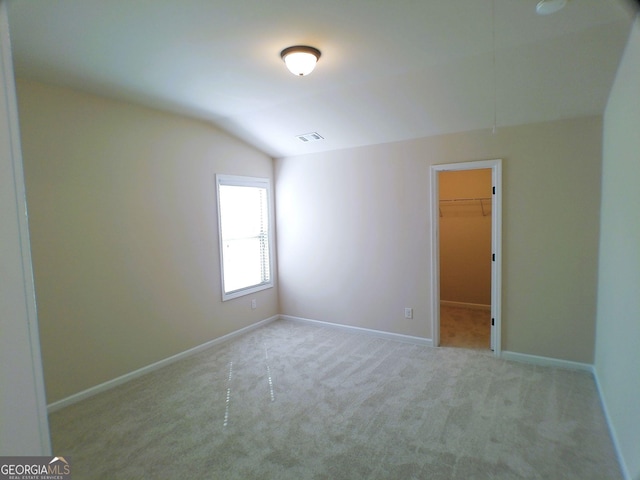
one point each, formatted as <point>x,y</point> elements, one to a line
<point>465,258</point>
<point>466,254</point>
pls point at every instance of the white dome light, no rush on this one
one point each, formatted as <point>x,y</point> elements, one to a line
<point>300,60</point>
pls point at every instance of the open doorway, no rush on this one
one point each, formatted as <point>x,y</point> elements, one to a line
<point>464,203</point>
<point>466,253</point>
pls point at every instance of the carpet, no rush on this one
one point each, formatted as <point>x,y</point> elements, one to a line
<point>297,401</point>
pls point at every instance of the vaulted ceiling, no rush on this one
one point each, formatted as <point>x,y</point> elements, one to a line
<point>389,71</point>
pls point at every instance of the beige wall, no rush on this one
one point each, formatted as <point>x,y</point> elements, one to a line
<point>354,241</point>
<point>122,217</point>
<point>124,235</point>
<point>618,318</point>
<point>465,236</point>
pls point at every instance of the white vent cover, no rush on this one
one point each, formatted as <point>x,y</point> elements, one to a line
<point>310,137</point>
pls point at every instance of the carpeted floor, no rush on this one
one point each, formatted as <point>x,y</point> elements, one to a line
<point>465,327</point>
<point>298,401</point>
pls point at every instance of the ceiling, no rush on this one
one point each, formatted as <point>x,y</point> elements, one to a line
<point>389,71</point>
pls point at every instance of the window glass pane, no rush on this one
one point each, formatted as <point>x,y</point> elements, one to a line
<point>244,231</point>
<point>242,263</point>
<point>241,210</point>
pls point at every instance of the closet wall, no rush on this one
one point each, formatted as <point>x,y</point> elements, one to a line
<point>465,236</point>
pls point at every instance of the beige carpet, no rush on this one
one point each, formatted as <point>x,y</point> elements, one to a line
<point>465,327</point>
<point>294,401</point>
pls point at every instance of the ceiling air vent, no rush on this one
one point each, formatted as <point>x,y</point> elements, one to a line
<point>310,137</point>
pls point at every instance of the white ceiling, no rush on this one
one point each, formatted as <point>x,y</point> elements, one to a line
<point>389,71</point>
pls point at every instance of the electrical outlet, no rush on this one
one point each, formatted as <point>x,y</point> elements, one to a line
<point>408,312</point>
<point>254,304</point>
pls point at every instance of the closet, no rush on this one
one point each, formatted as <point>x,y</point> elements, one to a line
<point>465,200</point>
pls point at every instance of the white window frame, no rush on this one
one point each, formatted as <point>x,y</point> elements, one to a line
<point>242,181</point>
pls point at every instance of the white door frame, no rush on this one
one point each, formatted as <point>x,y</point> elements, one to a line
<point>496,246</point>
<point>25,428</point>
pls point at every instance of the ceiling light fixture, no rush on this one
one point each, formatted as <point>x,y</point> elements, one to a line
<point>300,60</point>
<point>547,7</point>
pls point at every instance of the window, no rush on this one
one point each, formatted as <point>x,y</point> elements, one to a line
<point>244,222</point>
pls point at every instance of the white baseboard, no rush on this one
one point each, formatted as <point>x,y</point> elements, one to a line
<point>65,402</point>
<point>554,362</point>
<point>366,331</point>
<point>612,431</point>
<point>473,306</point>
<point>506,355</point>
<point>546,361</point>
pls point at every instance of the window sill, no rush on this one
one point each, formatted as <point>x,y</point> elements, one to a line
<point>246,291</point>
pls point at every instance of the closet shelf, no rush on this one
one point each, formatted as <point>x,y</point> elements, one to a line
<point>454,201</point>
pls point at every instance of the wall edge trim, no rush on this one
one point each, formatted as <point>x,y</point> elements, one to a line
<point>127,377</point>
<point>612,431</point>
<point>399,337</point>
<point>506,355</point>
<point>585,367</point>
<point>547,361</point>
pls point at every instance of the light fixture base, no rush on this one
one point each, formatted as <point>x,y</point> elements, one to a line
<point>300,59</point>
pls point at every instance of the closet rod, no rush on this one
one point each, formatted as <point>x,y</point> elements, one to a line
<point>465,199</point>
<point>478,199</point>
